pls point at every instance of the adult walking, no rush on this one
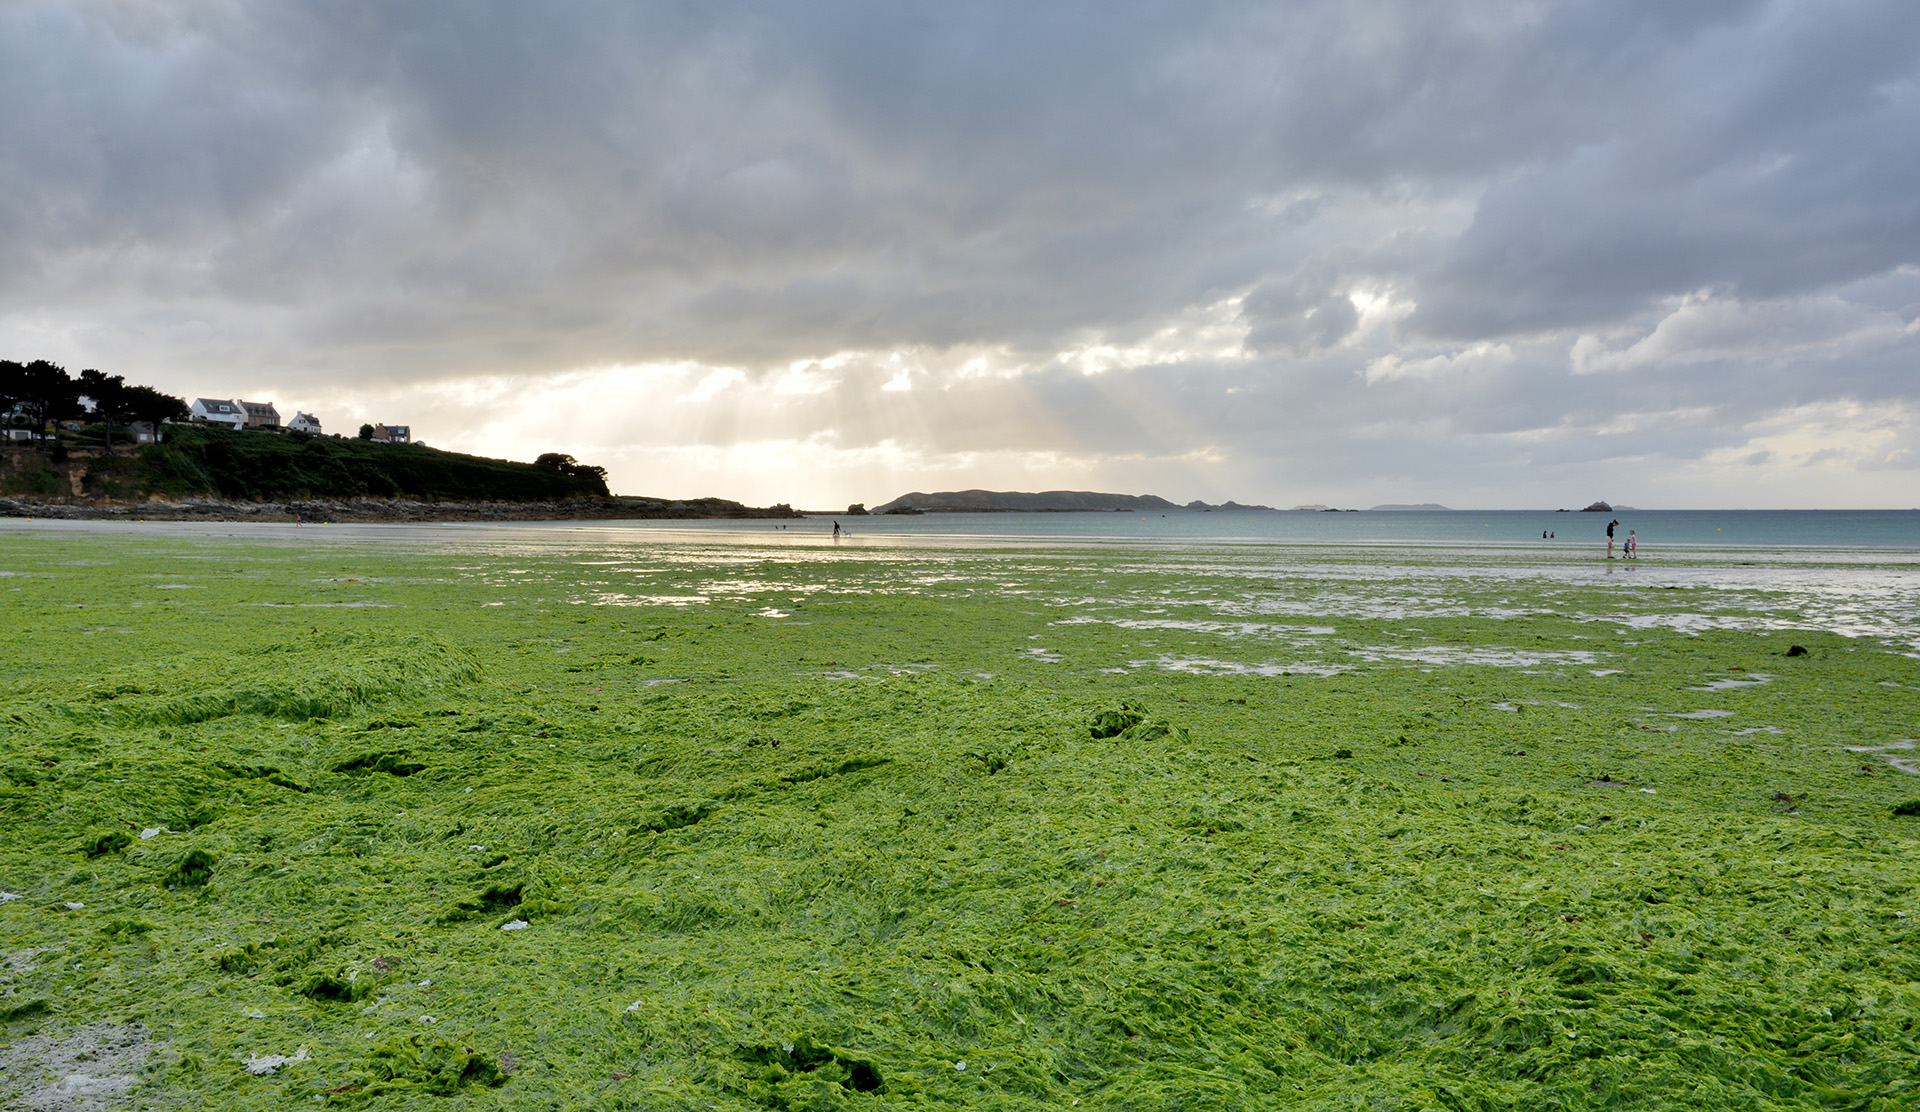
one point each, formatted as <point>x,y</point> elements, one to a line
<point>1610,526</point>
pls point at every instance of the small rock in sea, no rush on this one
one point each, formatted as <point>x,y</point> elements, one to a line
<point>1796,650</point>
<point>515,925</point>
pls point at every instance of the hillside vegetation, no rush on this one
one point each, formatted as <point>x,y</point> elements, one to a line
<point>200,461</point>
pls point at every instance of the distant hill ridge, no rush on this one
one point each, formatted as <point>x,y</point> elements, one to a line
<point>1046,501</point>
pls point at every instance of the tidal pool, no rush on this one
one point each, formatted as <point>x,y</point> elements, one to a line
<point>537,817</point>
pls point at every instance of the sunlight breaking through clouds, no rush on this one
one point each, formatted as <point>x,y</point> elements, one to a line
<point>1398,251</point>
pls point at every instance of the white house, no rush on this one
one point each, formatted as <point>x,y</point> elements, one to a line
<point>305,422</point>
<point>218,411</point>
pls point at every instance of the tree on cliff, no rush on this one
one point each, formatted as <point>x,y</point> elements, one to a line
<point>567,465</point>
<point>39,392</point>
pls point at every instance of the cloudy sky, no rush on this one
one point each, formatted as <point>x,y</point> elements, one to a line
<point>1486,253</point>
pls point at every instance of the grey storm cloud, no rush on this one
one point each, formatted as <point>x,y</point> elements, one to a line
<point>1440,223</point>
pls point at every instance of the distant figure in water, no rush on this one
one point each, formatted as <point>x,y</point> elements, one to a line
<point>1633,545</point>
<point>1610,526</point>
<point>836,531</point>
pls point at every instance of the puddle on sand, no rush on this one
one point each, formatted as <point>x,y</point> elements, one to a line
<point>1751,679</point>
<point>1758,730</point>
<point>1704,714</point>
<point>1609,671</point>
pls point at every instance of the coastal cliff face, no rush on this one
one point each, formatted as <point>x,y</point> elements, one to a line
<point>216,474</point>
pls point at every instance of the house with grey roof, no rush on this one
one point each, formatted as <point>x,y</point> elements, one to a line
<point>218,411</point>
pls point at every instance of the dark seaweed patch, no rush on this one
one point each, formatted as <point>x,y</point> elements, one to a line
<point>434,1066</point>
<point>239,961</point>
<point>393,764</point>
<point>125,930</point>
<point>821,772</point>
<point>193,871</point>
<point>496,899</point>
<point>1113,723</point>
<point>676,816</point>
<point>111,841</point>
<point>329,989</point>
<point>28,1009</point>
<point>1908,809</point>
<point>789,1073</point>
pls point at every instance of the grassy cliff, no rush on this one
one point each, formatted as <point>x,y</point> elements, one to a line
<point>198,461</point>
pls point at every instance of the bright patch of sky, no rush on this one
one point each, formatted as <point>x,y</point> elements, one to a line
<point>1483,254</point>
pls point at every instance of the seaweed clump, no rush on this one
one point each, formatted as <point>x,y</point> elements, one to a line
<point>790,1073</point>
<point>1130,723</point>
<point>433,1066</point>
<point>111,841</point>
<point>193,871</point>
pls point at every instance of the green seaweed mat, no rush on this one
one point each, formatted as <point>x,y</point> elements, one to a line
<point>617,823</point>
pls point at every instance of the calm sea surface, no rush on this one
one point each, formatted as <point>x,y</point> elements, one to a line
<point>1881,529</point>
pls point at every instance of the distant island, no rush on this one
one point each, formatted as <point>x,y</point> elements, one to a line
<point>1410,506</point>
<point>1046,501</point>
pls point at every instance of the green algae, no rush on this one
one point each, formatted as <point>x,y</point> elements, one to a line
<point>827,859</point>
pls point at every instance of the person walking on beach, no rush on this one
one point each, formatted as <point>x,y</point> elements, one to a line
<point>836,531</point>
<point>1633,545</point>
<point>1610,526</point>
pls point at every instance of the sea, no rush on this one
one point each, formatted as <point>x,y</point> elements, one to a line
<point>1546,529</point>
